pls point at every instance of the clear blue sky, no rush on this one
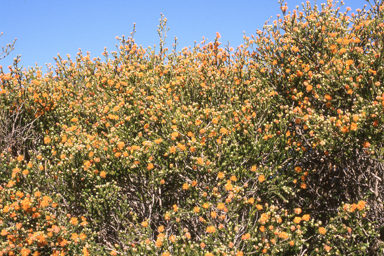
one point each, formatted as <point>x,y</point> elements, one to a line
<point>44,28</point>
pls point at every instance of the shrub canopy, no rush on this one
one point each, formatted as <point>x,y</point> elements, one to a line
<point>273,148</point>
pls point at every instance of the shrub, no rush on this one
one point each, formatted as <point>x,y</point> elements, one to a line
<point>273,147</point>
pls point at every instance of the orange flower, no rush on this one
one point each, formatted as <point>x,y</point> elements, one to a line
<point>261,178</point>
<point>366,144</point>
<point>150,166</point>
<point>297,210</point>
<point>297,220</point>
<point>181,146</point>
<point>327,248</point>
<point>322,230</point>
<point>349,62</point>
<point>283,235</point>
<point>344,129</point>
<point>211,229</point>
<point>172,238</point>
<point>120,145</point>
<point>144,224</point>
<point>228,186</point>
<point>220,206</point>
<point>74,221</point>
<point>223,130</point>
<point>160,229</point>
<point>220,175</point>
<point>306,217</point>
<point>158,243</point>
<point>85,251</point>
<point>47,140</point>
<point>83,236</point>
<point>360,205</point>
<point>103,174</point>
<point>262,229</point>
<point>62,242</point>
<point>24,252</point>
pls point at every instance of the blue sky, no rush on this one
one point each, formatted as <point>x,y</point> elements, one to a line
<point>44,28</point>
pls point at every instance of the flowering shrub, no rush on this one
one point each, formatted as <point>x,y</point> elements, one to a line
<point>271,148</point>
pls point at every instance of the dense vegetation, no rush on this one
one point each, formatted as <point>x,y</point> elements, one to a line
<point>272,148</point>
